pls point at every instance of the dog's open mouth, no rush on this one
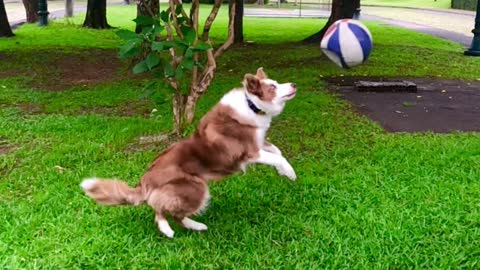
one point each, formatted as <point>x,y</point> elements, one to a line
<point>291,95</point>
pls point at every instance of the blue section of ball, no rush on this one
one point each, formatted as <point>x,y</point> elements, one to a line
<point>334,46</point>
<point>363,38</point>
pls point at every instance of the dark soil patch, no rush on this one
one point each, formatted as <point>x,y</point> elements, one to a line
<point>132,108</point>
<point>5,147</point>
<point>5,73</point>
<point>79,69</point>
<point>30,108</point>
<point>440,106</point>
<point>158,143</point>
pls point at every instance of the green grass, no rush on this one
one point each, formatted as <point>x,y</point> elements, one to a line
<point>365,199</point>
<point>410,3</point>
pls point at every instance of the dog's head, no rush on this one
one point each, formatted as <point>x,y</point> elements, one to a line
<point>266,94</point>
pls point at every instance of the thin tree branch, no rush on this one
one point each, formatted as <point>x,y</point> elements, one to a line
<point>194,12</point>
<point>231,32</point>
<point>172,6</point>
<point>210,19</point>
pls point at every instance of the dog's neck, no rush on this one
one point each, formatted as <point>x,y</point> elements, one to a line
<point>237,101</point>
<point>253,107</point>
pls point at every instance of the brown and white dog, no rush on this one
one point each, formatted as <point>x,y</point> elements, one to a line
<point>227,139</point>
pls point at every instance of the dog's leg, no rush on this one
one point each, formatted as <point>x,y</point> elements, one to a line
<point>163,226</point>
<point>270,147</point>
<point>279,162</point>
<point>193,225</point>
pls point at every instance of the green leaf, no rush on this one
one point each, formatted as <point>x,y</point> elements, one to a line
<point>140,67</point>
<point>188,53</point>
<point>130,45</point>
<point>188,34</point>
<point>187,63</point>
<point>179,73</point>
<point>178,9</point>
<point>157,46</point>
<point>146,29</point>
<point>169,72</point>
<point>173,44</point>
<point>130,53</point>
<point>169,44</point>
<point>164,15</point>
<point>158,29</point>
<point>144,20</point>
<point>126,34</point>
<point>181,20</point>
<point>153,59</point>
<point>201,46</point>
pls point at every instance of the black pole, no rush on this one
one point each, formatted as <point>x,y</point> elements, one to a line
<point>42,13</point>
<point>475,48</point>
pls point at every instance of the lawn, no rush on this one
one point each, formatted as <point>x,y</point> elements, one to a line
<point>364,198</point>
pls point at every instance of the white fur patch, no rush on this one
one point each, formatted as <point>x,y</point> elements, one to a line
<point>89,183</point>
<point>193,225</point>
<point>205,201</point>
<point>236,100</point>
<point>165,228</point>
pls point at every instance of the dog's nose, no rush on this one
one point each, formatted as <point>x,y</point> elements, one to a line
<point>293,85</point>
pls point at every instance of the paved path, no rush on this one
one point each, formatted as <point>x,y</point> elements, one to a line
<point>458,21</point>
<point>454,25</point>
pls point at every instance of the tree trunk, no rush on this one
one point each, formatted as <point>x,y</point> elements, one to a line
<point>179,115</point>
<point>5,30</point>
<point>238,20</point>
<point>31,9</point>
<point>144,8</point>
<point>68,8</point>
<point>96,15</point>
<point>341,9</point>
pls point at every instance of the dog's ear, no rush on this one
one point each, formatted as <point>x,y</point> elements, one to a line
<point>261,74</point>
<point>252,83</point>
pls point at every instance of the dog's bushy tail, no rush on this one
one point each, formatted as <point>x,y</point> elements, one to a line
<point>112,192</point>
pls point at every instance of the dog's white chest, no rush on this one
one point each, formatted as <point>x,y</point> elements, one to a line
<point>261,137</point>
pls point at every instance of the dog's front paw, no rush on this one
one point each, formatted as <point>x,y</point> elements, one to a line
<point>287,170</point>
<point>272,149</point>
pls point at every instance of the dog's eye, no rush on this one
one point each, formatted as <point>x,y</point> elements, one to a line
<point>273,86</point>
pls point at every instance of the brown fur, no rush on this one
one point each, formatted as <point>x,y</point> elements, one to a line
<point>176,182</point>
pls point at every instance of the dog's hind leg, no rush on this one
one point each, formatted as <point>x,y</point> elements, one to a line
<point>163,225</point>
<point>188,223</point>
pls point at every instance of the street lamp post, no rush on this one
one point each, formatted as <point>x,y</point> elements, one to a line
<point>42,13</point>
<point>475,48</point>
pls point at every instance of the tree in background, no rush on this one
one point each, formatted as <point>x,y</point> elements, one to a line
<point>31,9</point>
<point>145,8</point>
<point>341,9</point>
<point>68,8</point>
<point>96,15</point>
<point>178,54</point>
<point>5,30</point>
<point>238,20</point>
